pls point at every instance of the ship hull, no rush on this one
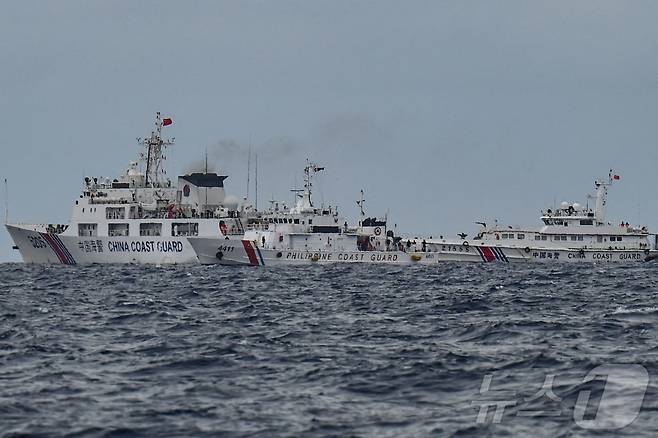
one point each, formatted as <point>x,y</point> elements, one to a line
<point>37,246</point>
<point>244,252</point>
<point>490,253</point>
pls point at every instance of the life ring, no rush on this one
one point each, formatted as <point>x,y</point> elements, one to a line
<point>279,255</point>
<point>646,251</point>
<point>416,258</point>
<point>465,243</point>
<point>378,231</point>
<point>219,255</point>
<point>315,258</point>
<point>527,249</point>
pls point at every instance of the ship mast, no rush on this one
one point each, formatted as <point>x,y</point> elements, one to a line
<point>362,213</point>
<point>309,171</point>
<point>304,203</point>
<point>155,146</point>
<point>601,195</point>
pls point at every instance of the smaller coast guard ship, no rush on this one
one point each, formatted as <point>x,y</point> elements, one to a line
<point>138,217</point>
<point>305,234</point>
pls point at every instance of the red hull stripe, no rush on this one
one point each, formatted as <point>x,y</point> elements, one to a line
<point>63,248</point>
<point>250,252</point>
<point>488,254</point>
<point>58,252</point>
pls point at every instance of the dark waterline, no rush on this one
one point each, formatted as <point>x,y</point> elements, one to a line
<point>345,350</point>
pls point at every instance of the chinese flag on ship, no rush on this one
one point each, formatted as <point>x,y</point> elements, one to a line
<point>167,122</point>
<point>615,177</point>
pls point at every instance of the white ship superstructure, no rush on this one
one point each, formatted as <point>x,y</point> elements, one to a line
<point>570,232</point>
<point>306,234</point>
<point>139,217</point>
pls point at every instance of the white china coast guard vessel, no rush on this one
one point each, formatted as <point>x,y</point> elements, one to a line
<point>570,233</point>
<point>306,234</point>
<point>139,217</point>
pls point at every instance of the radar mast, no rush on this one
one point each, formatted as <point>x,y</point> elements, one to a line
<point>153,155</point>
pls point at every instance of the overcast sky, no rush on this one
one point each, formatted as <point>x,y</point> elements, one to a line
<point>444,112</point>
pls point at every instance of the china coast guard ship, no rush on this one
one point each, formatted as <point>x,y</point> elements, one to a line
<point>569,233</point>
<point>139,217</point>
<point>306,233</point>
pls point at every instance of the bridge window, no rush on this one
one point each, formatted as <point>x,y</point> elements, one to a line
<point>586,222</point>
<point>150,229</point>
<point>185,229</point>
<point>520,236</point>
<point>117,230</point>
<point>115,213</point>
<point>87,230</point>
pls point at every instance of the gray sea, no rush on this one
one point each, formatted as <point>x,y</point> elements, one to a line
<point>345,350</point>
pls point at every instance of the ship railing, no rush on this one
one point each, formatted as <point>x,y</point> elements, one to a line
<point>257,227</point>
<point>41,228</point>
<point>56,228</point>
<point>108,201</point>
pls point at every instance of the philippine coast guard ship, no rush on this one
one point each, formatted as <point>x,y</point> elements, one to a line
<point>570,233</point>
<point>306,234</point>
<point>139,217</point>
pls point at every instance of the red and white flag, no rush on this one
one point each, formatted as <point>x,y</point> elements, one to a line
<point>167,122</point>
<point>616,177</point>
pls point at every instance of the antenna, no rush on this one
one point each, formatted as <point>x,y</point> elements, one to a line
<point>295,190</point>
<point>248,167</point>
<point>206,159</point>
<point>6,202</point>
<point>256,175</point>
